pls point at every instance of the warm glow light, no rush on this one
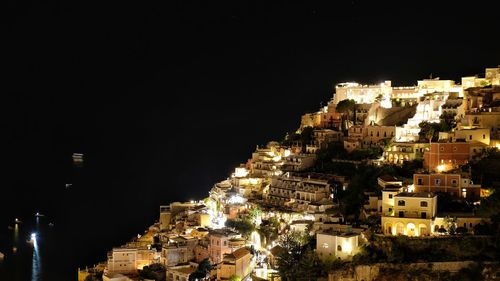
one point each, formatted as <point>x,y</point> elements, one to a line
<point>440,168</point>
<point>236,199</point>
<point>411,188</point>
<point>240,172</point>
<point>347,247</point>
<point>287,152</point>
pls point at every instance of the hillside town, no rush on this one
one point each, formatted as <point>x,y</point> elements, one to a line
<point>384,182</point>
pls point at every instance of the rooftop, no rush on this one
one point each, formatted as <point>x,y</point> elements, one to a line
<point>416,194</point>
<point>238,254</point>
<point>388,178</point>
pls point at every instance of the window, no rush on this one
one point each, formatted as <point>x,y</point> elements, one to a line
<point>390,196</point>
<point>378,133</point>
<point>453,182</point>
<point>423,204</point>
<point>225,243</point>
<point>339,248</point>
<point>437,181</point>
<point>484,137</point>
<point>390,210</point>
<point>441,148</point>
<point>401,214</point>
<point>420,181</point>
<point>470,137</point>
<point>423,215</point>
<point>401,203</point>
<point>385,134</point>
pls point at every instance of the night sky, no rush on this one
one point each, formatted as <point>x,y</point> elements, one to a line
<point>164,100</point>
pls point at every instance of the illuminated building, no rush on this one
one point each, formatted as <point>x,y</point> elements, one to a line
<point>290,189</point>
<point>408,214</point>
<point>237,263</point>
<point>454,184</point>
<point>375,134</point>
<point>333,245</point>
<point>178,249</point>
<point>405,96</point>
<point>181,272</point>
<point>325,136</point>
<point>130,259</point>
<point>362,94</point>
<point>398,152</point>
<point>445,156</point>
<point>220,243</point>
<point>298,162</point>
<point>468,135</point>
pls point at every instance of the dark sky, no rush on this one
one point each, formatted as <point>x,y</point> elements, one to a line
<point>165,99</point>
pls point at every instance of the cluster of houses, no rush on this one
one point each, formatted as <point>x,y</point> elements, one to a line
<point>277,182</point>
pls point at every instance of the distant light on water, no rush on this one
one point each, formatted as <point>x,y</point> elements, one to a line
<point>35,264</point>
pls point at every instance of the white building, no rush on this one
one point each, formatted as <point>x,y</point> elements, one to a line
<point>333,245</point>
<point>130,259</point>
<point>363,93</point>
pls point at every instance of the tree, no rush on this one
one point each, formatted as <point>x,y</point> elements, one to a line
<point>243,226</point>
<point>202,271</point>
<point>346,107</point>
<point>234,278</point>
<point>269,230</point>
<point>294,246</point>
<point>254,214</point>
<point>310,266</point>
<point>154,271</point>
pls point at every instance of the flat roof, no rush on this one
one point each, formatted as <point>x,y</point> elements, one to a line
<point>416,194</point>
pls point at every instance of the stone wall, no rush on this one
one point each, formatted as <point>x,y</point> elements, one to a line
<point>412,271</point>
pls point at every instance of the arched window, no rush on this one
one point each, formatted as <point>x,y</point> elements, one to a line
<point>339,248</point>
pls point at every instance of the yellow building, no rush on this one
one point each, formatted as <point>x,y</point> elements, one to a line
<point>412,213</point>
<point>469,135</point>
<point>310,120</point>
<point>237,263</point>
<point>130,259</point>
<point>398,152</point>
<point>375,133</point>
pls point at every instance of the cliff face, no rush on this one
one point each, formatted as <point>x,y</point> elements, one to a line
<point>390,116</point>
<point>459,270</point>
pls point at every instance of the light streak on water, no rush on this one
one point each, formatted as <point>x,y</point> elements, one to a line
<point>35,263</point>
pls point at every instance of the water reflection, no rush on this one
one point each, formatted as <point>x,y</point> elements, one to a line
<point>35,263</point>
